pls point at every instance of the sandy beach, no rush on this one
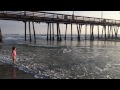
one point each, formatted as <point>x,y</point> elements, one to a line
<point>11,72</point>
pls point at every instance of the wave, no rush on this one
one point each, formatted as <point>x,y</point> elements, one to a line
<point>43,46</point>
<point>66,50</point>
<point>43,37</point>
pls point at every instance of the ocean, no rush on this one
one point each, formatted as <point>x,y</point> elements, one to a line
<point>68,59</point>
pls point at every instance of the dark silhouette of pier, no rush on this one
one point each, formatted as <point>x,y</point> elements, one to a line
<point>109,26</point>
<point>0,35</point>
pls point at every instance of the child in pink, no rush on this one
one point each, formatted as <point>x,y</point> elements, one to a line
<point>14,55</point>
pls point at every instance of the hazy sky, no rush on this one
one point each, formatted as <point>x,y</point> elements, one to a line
<point>17,27</point>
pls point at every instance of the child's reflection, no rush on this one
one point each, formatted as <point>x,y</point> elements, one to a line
<point>14,73</point>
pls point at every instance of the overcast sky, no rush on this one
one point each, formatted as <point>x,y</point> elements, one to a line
<point>17,27</point>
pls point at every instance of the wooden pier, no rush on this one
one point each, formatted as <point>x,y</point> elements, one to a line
<point>109,26</point>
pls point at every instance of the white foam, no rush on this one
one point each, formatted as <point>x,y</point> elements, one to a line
<point>66,50</point>
<point>108,77</point>
<point>5,59</point>
<point>101,70</point>
<point>46,46</point>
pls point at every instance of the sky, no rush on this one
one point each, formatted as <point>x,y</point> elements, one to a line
<point>17,27</point>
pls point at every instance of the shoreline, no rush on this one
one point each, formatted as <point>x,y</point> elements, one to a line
<point>11,72</point>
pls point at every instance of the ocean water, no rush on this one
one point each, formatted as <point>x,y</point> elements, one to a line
<point>64,60</point>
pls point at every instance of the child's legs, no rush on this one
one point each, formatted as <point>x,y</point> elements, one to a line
<point>14,59</point>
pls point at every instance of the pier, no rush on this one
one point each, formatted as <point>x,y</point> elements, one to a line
<point>109,30</point>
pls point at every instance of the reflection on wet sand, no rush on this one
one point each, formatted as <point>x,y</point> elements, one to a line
<point>14,73</point>
<point>11,72</point>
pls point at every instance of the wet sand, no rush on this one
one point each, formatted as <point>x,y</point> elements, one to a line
<point>11,72</point>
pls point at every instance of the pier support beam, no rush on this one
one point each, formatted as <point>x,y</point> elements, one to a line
<point>105,31</point>
<point>0,35</point>
<point>65,31</point>
<point>25,30</point>
<point>112,32</point>
<point>47,32</point>
<point>34,31</point>
<point>116,31</point>
<point>108,31</point>
<point>78,33</point>
<point>30,32</point>
<point>71,32</point>
<point>98,33</point>
<point>80,28</point>
<point>50,32</point>
<point>53,31</point>
<point>85,31</point>
<point>91,32</point>
<point>60,34</point>
<point>102,33</point>
<point>57,31</point>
